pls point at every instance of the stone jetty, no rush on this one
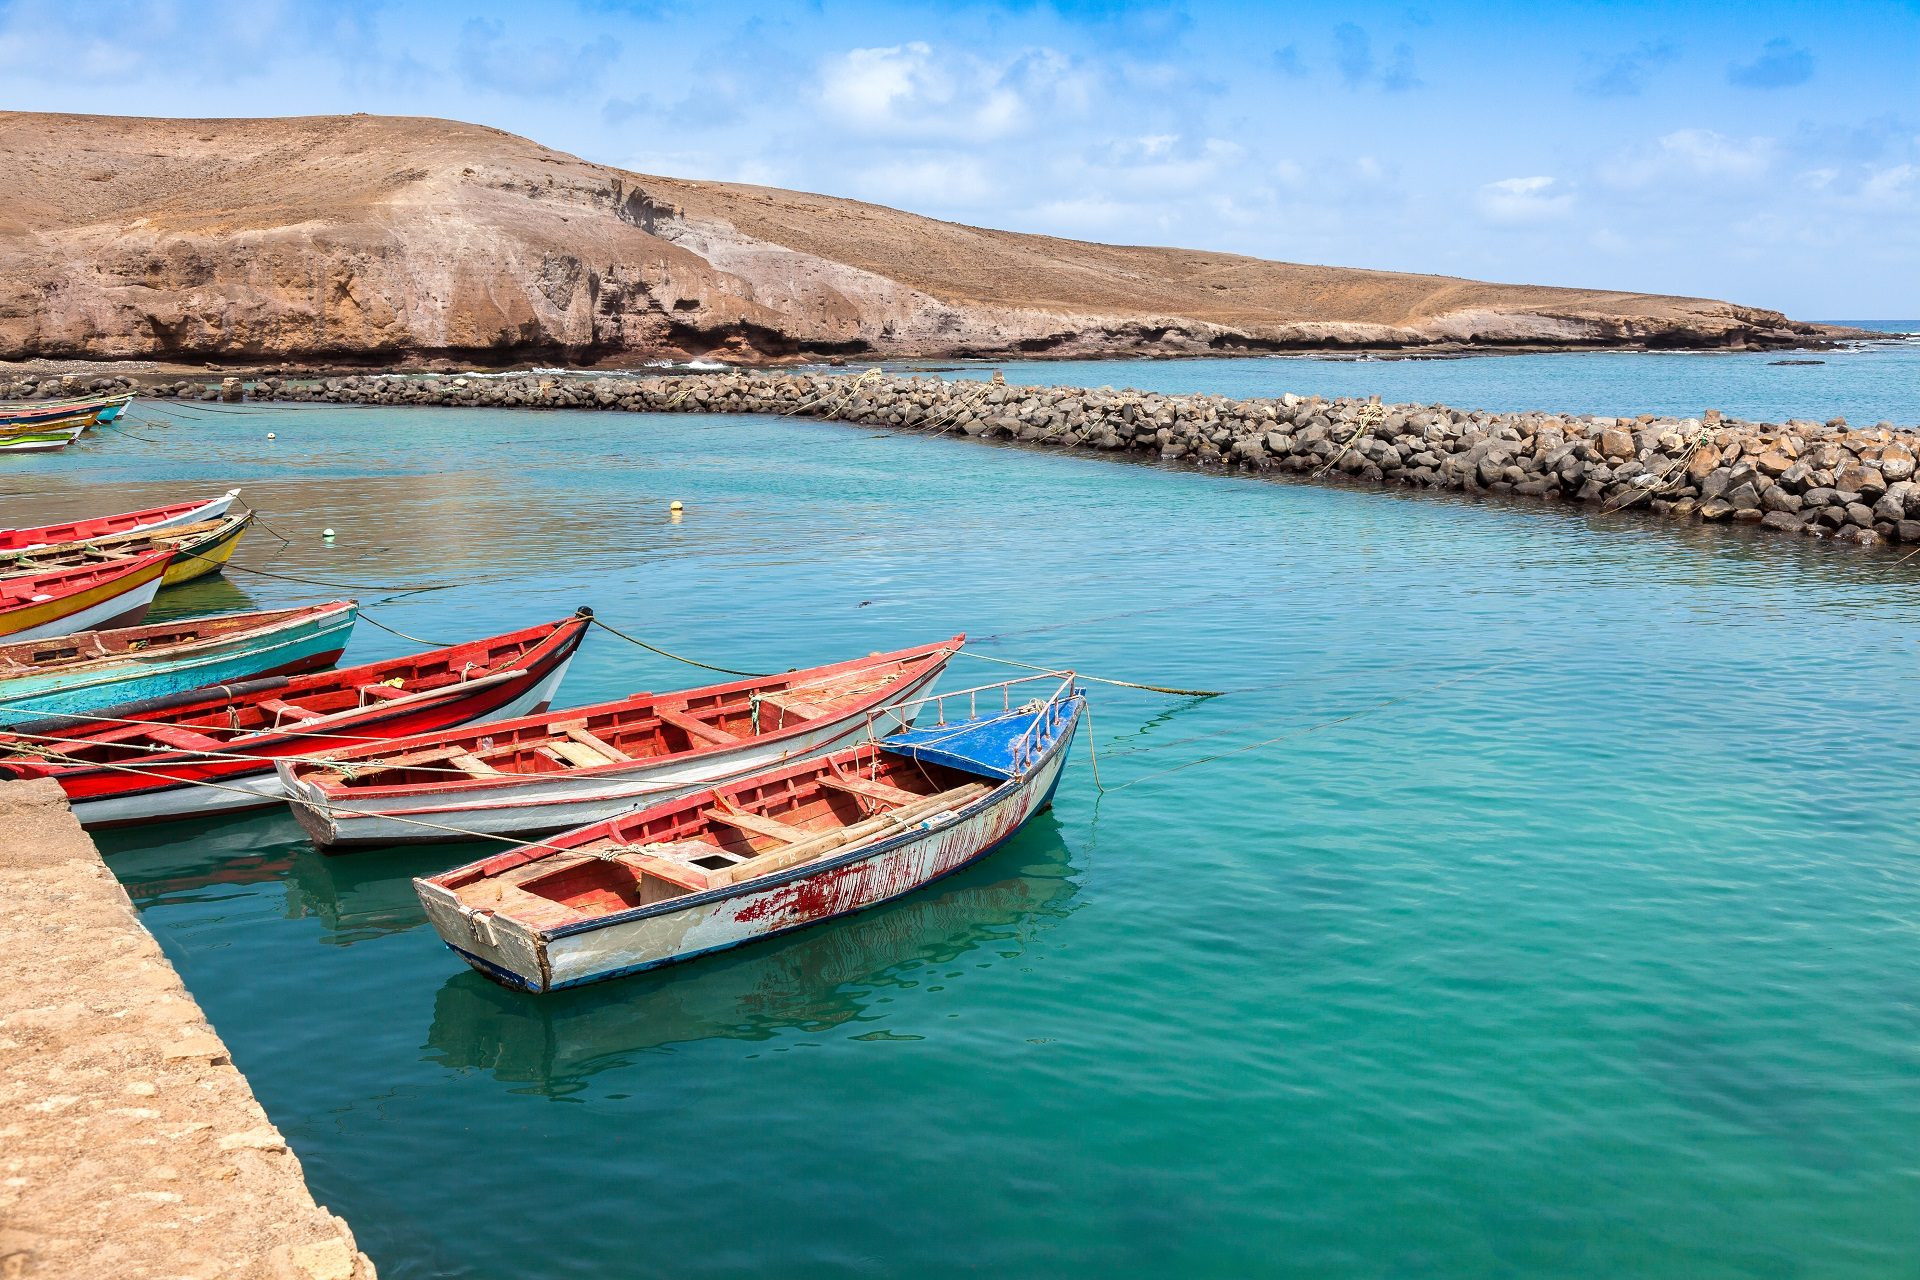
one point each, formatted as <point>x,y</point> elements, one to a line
<point>130,1146</point>
<point>1821,479</point>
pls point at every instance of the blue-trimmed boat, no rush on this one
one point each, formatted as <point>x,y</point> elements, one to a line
<point>91,672</point>
<point>774,852</point>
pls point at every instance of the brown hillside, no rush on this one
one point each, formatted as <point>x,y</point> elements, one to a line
<point>364,238</point>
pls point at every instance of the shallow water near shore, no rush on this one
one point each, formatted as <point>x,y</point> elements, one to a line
<point>1585,947</point>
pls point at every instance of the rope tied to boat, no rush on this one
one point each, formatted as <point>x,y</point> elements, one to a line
<point>1123,684</point>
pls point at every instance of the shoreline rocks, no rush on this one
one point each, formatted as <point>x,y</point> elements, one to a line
<point>1827,479</point>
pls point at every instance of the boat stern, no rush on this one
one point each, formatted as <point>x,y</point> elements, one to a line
<point>497,946</point>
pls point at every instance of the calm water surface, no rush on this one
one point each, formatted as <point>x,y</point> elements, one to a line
<point>1864,383</point>
<point>1587,948</point>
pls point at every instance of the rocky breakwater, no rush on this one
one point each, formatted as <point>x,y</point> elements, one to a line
<point>1819,479</point>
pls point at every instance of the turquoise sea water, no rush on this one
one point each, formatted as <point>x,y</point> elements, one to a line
<point>1586,947</point>
<point>1864,383</point>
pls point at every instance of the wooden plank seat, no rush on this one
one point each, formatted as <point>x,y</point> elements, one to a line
<point>577,730</point>
<point>472,764</point>
<point>695,728</point>
<point>380,693</point>
<point>576,753</point>
<point>755,824</point>
<point>179,739</point>
<point>867,789</point>
<point>282,711</point>
<point>792,706</point>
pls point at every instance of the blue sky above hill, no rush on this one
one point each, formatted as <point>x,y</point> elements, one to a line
<point>1767,153</point>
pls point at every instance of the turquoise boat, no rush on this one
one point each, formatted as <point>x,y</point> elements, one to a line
<point>94,672</point>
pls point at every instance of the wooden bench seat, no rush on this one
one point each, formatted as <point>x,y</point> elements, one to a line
<point>180,739</point>
<point>866,788</point>
<point>285,711</point>
<point>793,706</point>
<point>755,824</point>
<point>695,728</point>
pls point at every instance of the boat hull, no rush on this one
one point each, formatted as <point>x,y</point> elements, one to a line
<point>123,525</point>
<point>534,806</point>
<point>722,919</point>
<point>308,645</point>
<point>111,604</point>
<point>41,440</point>
<point>208,785</point>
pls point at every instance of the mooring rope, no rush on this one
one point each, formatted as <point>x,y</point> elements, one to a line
<point>1124,684</point>
<point>650,648</point>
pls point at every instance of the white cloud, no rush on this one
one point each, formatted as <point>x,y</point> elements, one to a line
<point>1520,200</point>
<point>1898,185</point>
<point>1693,153</point>
<point>913,90</point>
<point>1160,164</point>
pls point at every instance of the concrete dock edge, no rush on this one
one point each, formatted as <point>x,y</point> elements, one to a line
<point>130,1145</point>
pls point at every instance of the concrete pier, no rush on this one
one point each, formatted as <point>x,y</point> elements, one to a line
<point>130,1146</point>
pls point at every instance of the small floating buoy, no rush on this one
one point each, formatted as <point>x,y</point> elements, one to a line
<point>327,534</point>
<point>272,436</point>
<point>673,506</point>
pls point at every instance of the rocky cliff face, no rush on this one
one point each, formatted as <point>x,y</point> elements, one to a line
<point>378,240</point>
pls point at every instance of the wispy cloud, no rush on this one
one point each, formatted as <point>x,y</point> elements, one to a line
<point>1625,75</point>
<point>546,68</point>
<point>1692,155</point>
<point>1781,65</point>
<point>1521,200</point>
<point>914,91</point>
<point>1288,62</point>
<point>1353,57</point>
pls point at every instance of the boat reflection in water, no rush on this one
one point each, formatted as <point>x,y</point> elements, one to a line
<point>814,980</point>
<point>352,899</point>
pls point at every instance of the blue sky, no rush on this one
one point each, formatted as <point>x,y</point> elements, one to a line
<point>1767,153</point>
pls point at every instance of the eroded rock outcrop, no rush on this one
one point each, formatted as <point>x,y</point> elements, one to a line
<point>380,239</point>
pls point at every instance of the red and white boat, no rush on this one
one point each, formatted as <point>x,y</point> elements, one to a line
<point>48,535</point>
<point>212,750</point>
<point>584,764</point>
<point>117,593</point>
<point>771,853</point>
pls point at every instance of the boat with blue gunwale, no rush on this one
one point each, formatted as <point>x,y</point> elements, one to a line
<point>125,668</point>
<point>765,855</point>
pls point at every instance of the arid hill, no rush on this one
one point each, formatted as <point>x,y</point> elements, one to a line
<point>363,239</point>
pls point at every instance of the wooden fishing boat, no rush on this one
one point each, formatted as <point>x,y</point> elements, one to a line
<point>146,521</point>
<point>98,671</point>
<point>196,550</point>
<point>761,856</point>
<point>93,408</point>
<point>572,767</point>
<point>42,437</point>
<point>211,750</point>
<point>116,594</point>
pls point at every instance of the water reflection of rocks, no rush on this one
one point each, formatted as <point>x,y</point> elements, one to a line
<point>811,981</point>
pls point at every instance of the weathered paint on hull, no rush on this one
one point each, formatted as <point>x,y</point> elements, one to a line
<point>260,787</point>
<point>308,648</point>
<point>539,807</point>
<point>797,900</point>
